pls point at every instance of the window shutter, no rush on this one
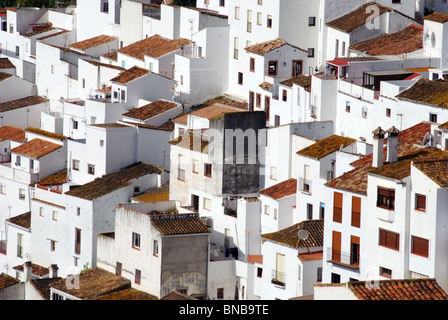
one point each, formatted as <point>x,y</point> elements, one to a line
<point>356,212</point>
<point>420,246</point>
<point>337,207</point>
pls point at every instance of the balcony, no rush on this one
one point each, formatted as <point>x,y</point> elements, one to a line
<point>343,258</point>
<point>278,278</point>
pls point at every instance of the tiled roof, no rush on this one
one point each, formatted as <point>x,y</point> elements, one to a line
<point>282,189</point>
<point>5,63</point>
<point>290,237</point>
<point>266,85</point>
<point>36,269</point>
<point>130,294</point>
<point>92,42</point>
<point>113,55</point>
<point>356,18</point>
<point>8,132</point>
<point>150,110</point>
<point>53,35</point>
<point>22,220</point>
<point>7,281</point>
<point>57,178</point>
<point>46,133</point>
<point>106,65</point>
<point>130,74</point>
<point>191,141</point>
<point>437,17</point>
<point>113,181</point>
<point>177,224</point>
<point>402,167</point>
<point>407,40</point>
<point>93,284</point>
<point>42,286</point>
<point>429,92</point>
<point>209,112</point>
<point>176,295</point>
<point>21,103</point>
<point>303,81</point>
<point>36,30</point>
<point>409,289</point>
<point>324,147</point>
<point>444,126</point>
<point>161,193</point>
<point>36,148</point>
<point>435,170</point>
<point>265,47</point>
<point>155,46</point>
<point>410,140</point>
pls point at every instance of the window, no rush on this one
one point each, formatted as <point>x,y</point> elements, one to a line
<point>433,117</point>
<point>78,211</point>
<point>284,95</point>
<point>237,13</point>
<point>52,245</point>
<point>258,100</point>
<point>18,160</point>
<point>135,240</point>
<point>420,202</point>
<point>260,2</point>
<point>118,269</point>
<point>354,250</point>
<point>222,3</point>
<point>208,170</point>
<point>388,112</point>
<point>55,215</point>
<point>75,124</point>
<point>266,209</point>
<point>386,198</point>
<point>310,52</point>
<point>17,50</point>
<point>77,241</point>
<point>267,106</point>
<point>322,210</point>
<point>22,194</point>
<point>76,165</point>
<point>251,100</point>
<point>195,166</point>
<point>123,64</point>
<point>3,188</point>
<point>275,214</point>
<point>347,106</point>
<point>83,82</point>
<point>207,205</point>
<point>319,274</point>
<point>420,246</point>
<point>41,211</point>
<point>259,18</point>
<point>389,239</point>
<point>273,174</point>
<point>252,65</point>
<point>105,6</point>
<point>249,21</point>
<point>123,95</point>
<point>235,47</point>
<point>20,245</point>
<point>240,78</point>
<point>101,143</point>
<point>309,211</point>
<point>277,121</point>
<point>356,211</point>
<point>297,69</point>
<point>155,248</point>
<point>11,28</point>
<point>31,164</point>
<point>272,68</point>
<point>311,21</point>
<point>220,293</point>
<point>138,276</point>
<point>269,21</point>
<point>337,207</point>
<point>384,272</point>
<point>91,169</point>
<point>259,272</point>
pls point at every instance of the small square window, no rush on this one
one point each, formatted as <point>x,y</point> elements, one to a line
<point>155,248</point>
<point>55,215</point>
<point>41,211</point>
<point>310,52</point>
<point>135,240</point>
<point>76,165</point>
<point>22,194</point>
<point>91,169</point>
<point>101,143</point>
<point>384,272</point>
<point>388,112</point>
<point>311,21</point>
<point>220,293</point>
<point>208,170</point>
<point>138,276</point>
<point>420,202</point>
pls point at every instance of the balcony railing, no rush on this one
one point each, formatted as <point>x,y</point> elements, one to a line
<point>278,278</point>
<point>343,258</point>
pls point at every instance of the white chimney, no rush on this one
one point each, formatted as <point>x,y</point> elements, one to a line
<point>378,145</point>
<point>53,271</point>
<point>27,271</point>
<point>392,144</point>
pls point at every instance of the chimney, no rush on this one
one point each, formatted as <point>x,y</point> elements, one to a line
<point>27,271</point>
<point>378,145</point>
<point>392,144</point>
<point>53,271</point>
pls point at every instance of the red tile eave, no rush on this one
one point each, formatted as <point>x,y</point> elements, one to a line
<point>312,256</point>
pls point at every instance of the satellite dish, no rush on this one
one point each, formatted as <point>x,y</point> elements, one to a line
<point>303,234</point>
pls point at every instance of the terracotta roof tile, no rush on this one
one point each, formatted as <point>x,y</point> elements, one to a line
<point>282,189</point>
<point>303,81</point>
<point>111,56</point>
<point>267,46</point>
<point>130,74</point>
<point>356,18</point>
<point>36,269</point>
<point>7,281</point>
<point>410,141</point>
<point>155,46</point>
<point>324,147</point>
<point>209,112</point>
<point>106,65</point>
<point>22,103</point>
<point>150,110</point>
<point>409,289</point>
<point>191,141</point>
<point>45,133</point>
<point>289,236</point>
<point>266,85</point>
<point>113,181</point>
<point>43,286</point>
<point>429,92</point>
<point>36,148</point>
<point>407,40</point>
<point>177,224</point>
<point>92,42</point>
<point>12,133</point>
<point>54,179</point>
<point>22,220</point>
<point>176,295</point>
<point>5,63</point>
<point>435,170</point>
<point>130,294</point>
<point>93,284</point>
<point>438,17</point>
<point>161,193</point>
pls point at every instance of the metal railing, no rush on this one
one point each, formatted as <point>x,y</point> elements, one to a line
<point>278,277</point>
<point>343,258</point>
